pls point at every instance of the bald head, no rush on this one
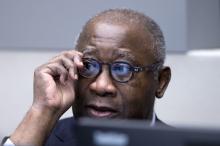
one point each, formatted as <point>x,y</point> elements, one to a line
<point>131,19</point>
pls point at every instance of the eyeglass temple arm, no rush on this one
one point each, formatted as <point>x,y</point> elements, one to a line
<point>152,67</point>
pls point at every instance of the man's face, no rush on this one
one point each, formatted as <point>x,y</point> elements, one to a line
<point>104,97</point>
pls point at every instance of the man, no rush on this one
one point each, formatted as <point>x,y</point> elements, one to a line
<point>115,71</point>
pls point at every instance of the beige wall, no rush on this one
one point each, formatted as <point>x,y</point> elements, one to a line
<point>191,99</point>
<point>193,96</point>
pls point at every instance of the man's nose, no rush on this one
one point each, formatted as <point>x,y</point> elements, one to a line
<point>103,85</point>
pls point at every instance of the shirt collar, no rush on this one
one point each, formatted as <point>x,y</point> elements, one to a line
<point>153,120</point>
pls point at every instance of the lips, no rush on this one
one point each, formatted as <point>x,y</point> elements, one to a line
<point>100,111</point>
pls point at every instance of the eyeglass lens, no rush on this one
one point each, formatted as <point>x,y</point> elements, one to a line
<point>120,71</point>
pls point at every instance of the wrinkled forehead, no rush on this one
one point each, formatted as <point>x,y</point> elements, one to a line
<point>110,55</point>
<point>124,39</point>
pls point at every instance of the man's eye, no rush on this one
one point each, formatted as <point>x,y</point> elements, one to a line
<point>90,66</point>
<point>121,69</point>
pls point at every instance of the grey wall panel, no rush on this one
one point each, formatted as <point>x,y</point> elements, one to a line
<point>203,24</point>
<point>55,23</point>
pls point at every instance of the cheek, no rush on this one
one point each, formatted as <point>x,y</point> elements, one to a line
<point>144,84</point>
<point>138,98</point>
<point>83,86</point>
<point>138,103</point>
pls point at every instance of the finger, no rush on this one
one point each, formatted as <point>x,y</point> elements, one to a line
<point>70,54</point>
<point>68,63</point>
<point>78,61</point>
<point>71,60</point>
<point>73,73</point>
<point>59,71</point>
<point>75,56</point>
<point>71,66</point>
<point>68,57</point>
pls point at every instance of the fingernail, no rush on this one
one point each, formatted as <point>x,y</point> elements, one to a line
<point>76,76</point>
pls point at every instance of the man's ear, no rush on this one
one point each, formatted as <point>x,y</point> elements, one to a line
<point>163,81</point>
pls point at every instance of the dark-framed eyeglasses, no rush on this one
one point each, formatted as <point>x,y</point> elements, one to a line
<point>119,70</point>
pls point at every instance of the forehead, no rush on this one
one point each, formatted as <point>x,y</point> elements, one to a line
<point>118,39</point>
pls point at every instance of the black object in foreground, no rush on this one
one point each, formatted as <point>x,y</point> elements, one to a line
<point>105,132</point>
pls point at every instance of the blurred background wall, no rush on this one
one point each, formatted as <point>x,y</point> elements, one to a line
<point>31,32</point>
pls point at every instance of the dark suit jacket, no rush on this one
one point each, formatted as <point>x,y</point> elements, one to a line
<point>63,133</point>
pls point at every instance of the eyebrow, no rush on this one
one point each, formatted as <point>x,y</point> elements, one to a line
<point>124,54</point>
<point>89,50</point>
<point>119,53</point>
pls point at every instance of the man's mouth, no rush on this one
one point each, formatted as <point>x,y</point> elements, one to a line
<point>100,111</point>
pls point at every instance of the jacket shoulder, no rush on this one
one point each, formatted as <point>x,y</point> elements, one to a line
<point>63,133</point>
